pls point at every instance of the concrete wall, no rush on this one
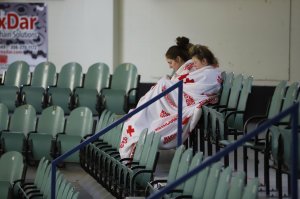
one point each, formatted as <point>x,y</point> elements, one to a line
<point>257,37</point>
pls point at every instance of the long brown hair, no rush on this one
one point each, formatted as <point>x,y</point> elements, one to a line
<point>202,52</point>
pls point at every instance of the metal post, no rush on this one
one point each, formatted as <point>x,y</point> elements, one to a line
<point>179,107</point>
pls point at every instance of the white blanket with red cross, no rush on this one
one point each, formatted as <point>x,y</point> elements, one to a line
<point>201,86</point>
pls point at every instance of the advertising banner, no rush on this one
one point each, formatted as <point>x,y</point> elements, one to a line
<point>23,33</point>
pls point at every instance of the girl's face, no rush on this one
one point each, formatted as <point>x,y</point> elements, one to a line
<point>199,63</point>
<point>174,63</point>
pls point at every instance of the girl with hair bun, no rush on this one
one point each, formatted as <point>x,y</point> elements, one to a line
<point>178,55</point>
<point>196,67</point>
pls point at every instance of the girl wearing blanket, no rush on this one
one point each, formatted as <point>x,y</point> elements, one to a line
<point>201,85</point>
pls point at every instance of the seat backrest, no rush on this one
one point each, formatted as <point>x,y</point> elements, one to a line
<point>152,157</point>
<point>236,186</point>
<point>200,183</point>
<point>44,75</point>
<point>103,120</point>
<point>4,117</point>
<point>75,195</point>
<point>174,164</point>
<point>212,180</point>
<point>276,101</point>
<point>286,135</point>
<point>23,119</point>
<point>68,188</point>
<point>51,121</point>
<point>97,77</point>
<point>275,136</point>
<point>11,166</point>
<point>184,164</point>
<point>235,91</point>
<point>151,162</point>
<point>289,99</point>
<point>246,90</point>
<point>80,122</point>
<point>190,183</point>
<point>117,134</point>
<point>226,87</point>
<point>251,189</point>
<point>108,136</point>
<point>223,184</point>
<point>61,189</point>
<point>124,77</point>
<point>139,146</point>
<point>40,169</point>
<point>146,148</point>
<point>17,74</point>
<point>70,76</point>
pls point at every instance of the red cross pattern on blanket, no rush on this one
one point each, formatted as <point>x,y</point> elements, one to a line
<point>185,120</point>
<point>130,130</point>
<point>186,79</point>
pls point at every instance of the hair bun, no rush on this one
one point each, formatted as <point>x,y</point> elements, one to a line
<point>182,42</point>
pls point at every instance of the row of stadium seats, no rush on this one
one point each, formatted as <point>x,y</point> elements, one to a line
<point>14,184</point>
<point>214,181</point>
<point>49,135</point>
<point>41,185</point>
<point>222,124</point>
<point>70,88</point>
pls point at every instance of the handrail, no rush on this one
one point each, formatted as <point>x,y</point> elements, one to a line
<point>293,110</point>
<point>178,85</point>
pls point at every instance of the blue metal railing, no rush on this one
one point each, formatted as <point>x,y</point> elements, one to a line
<point>293,110</point>
<point>178,85</point>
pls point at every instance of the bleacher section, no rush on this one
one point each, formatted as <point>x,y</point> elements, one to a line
<point>70,88</point>
<point>70,107</point>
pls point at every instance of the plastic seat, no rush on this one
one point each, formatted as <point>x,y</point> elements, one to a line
<point>228,122</point>
<point>285,102</point>
<point>206,182</point>
<point>70,77</point>
<point>274,108</point>
<point>22,122</point>
<point>152,186</point>
<point>121,183</point>
<point>17,74</point>
<point>43,76</point>
<point>122,93</point>
<point>115,162</point>
<point>224,182</point>
<point>232,104</point>
<point>110,143</point>
<point>251,189</point>
<point>232,122</point>
<point>96,78</point>
<point>87,153</point>
<point>226,88</point>
<point>93,148</point>
<point>38,179</point>
<point>236,186</point>
<point>212,180</point>
<point>39,142</point>
<point>138,177</point>
<point>187,188</point>
<point>280,149</point>
<point>78,125</point>
<point>4,117</point>
<point>12,170</point>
